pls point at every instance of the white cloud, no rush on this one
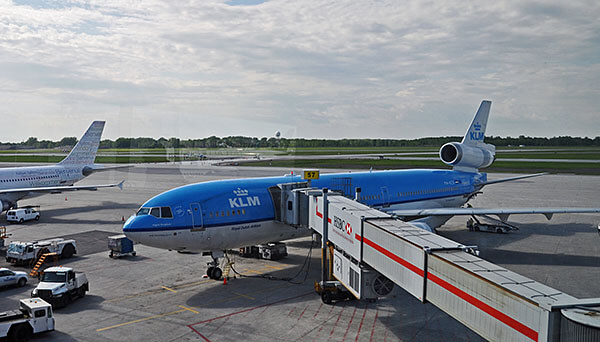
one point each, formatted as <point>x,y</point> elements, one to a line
<point>315,68</point>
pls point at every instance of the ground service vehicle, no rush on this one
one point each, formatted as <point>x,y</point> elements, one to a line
<point>26,252</point>
<point>8,277</point>
<point>60,285</point>
<point>34,316</point>
<point>22,214</point>
<point>269,251</point>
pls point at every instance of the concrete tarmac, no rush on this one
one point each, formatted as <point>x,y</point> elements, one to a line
<point>160,295</point>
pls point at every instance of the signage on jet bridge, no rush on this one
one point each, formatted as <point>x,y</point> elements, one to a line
<point>345,221</point>
<point>310,174</point>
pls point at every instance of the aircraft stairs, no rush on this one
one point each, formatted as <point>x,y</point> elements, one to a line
<point>365,250</point>
<point>35,270</point>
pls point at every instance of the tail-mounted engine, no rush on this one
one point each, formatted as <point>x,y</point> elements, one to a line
<point>467,157</point>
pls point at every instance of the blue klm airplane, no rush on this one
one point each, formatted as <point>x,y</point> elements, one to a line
<point>220,215</point>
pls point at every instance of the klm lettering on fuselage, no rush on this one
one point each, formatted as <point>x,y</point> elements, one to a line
<point>243,200</point>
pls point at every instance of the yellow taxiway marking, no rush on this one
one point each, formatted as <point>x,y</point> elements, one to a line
<point>142,319</point>
<point>188,309</point>
<point>274,267</point>
<point>168,289</point>
<point>243,295</point>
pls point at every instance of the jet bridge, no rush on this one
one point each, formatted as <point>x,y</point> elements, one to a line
<point>372,247</point>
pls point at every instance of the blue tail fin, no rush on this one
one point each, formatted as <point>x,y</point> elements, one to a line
<point>476,132</point>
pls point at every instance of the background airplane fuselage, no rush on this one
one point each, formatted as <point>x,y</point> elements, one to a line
<point>36,176</point>
<point>226,214</point>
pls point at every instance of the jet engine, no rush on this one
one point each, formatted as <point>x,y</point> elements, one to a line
<point>4,206</point>
<point>467,156</point>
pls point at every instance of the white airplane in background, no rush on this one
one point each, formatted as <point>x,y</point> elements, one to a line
<point>17,183</point>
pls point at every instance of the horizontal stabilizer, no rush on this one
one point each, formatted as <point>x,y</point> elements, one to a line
<point>512,179</point>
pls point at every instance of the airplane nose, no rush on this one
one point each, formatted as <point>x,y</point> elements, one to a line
<point>129,229</point>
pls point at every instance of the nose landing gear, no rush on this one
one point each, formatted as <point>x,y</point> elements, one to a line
<point>213,271</point>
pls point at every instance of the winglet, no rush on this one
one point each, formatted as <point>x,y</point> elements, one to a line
<point>476,132</point>
<point>84,152</point>
<point>120,185</point>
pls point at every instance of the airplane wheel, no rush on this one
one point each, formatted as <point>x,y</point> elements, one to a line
<point>216,273</point>
<point>498,230</point>
<point>327,297</point>
<point>209,272</point>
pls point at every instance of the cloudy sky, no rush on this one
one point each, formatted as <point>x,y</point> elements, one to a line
<point>307,68</point>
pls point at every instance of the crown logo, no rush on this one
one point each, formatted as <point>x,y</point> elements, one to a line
<point>240,192</point>
<point>477,126</point>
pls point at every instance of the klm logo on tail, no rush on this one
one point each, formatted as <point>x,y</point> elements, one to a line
<point>477,134</point>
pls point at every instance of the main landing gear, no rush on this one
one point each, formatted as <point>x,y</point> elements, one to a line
<point>213,271</point>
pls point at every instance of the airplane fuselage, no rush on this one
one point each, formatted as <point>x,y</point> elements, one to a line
<point>227,214</point>
<point>35,177</point>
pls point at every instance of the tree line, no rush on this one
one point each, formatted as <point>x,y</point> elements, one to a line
<point>264,142</point>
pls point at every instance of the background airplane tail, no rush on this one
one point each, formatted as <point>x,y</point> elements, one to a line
<point>84,152</point>
<point>471,153</point>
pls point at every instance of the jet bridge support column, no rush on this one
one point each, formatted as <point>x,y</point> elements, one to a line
<point>325,239</point>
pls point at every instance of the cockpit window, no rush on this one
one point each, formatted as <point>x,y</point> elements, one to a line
<point>155,212</point>
<point>143,211</point>
<point>166,212</point>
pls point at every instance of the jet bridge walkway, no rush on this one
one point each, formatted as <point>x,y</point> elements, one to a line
<point>498,304</point>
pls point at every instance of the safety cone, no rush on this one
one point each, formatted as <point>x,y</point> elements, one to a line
<point>65,198</point>
<point>225,281</point>
<point>123,218</point>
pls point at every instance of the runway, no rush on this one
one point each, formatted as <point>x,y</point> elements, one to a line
<point>161,295</point>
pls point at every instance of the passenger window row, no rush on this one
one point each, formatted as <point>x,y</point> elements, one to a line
<point>224,213</point>
<point>26,179</point>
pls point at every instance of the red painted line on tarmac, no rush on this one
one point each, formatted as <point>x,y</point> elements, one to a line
<point>322,325</point>
<point>219,327</point>
<point>292,310</point>
<point>361,322</point>
<point>502,317</point>
<point>349,323</point>
<point>373,326</point>
<point>191,326</point>
<point>303,311</point>
<point>337,320</point>
<point>319,309</point>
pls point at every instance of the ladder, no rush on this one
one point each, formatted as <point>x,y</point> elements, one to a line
<point>35,270</point>
<point>227,268</point>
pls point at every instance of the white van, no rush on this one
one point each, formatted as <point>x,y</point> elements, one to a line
<point>22,214</point>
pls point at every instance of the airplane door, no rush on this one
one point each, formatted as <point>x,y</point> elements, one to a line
<point>385,196</point>
<point>196,215</point>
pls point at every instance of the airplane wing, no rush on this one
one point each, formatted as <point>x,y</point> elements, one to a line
<point>502,213</point>
<point>59,189</point>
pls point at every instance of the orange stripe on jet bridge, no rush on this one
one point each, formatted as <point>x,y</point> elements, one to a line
<point>502,317</point>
